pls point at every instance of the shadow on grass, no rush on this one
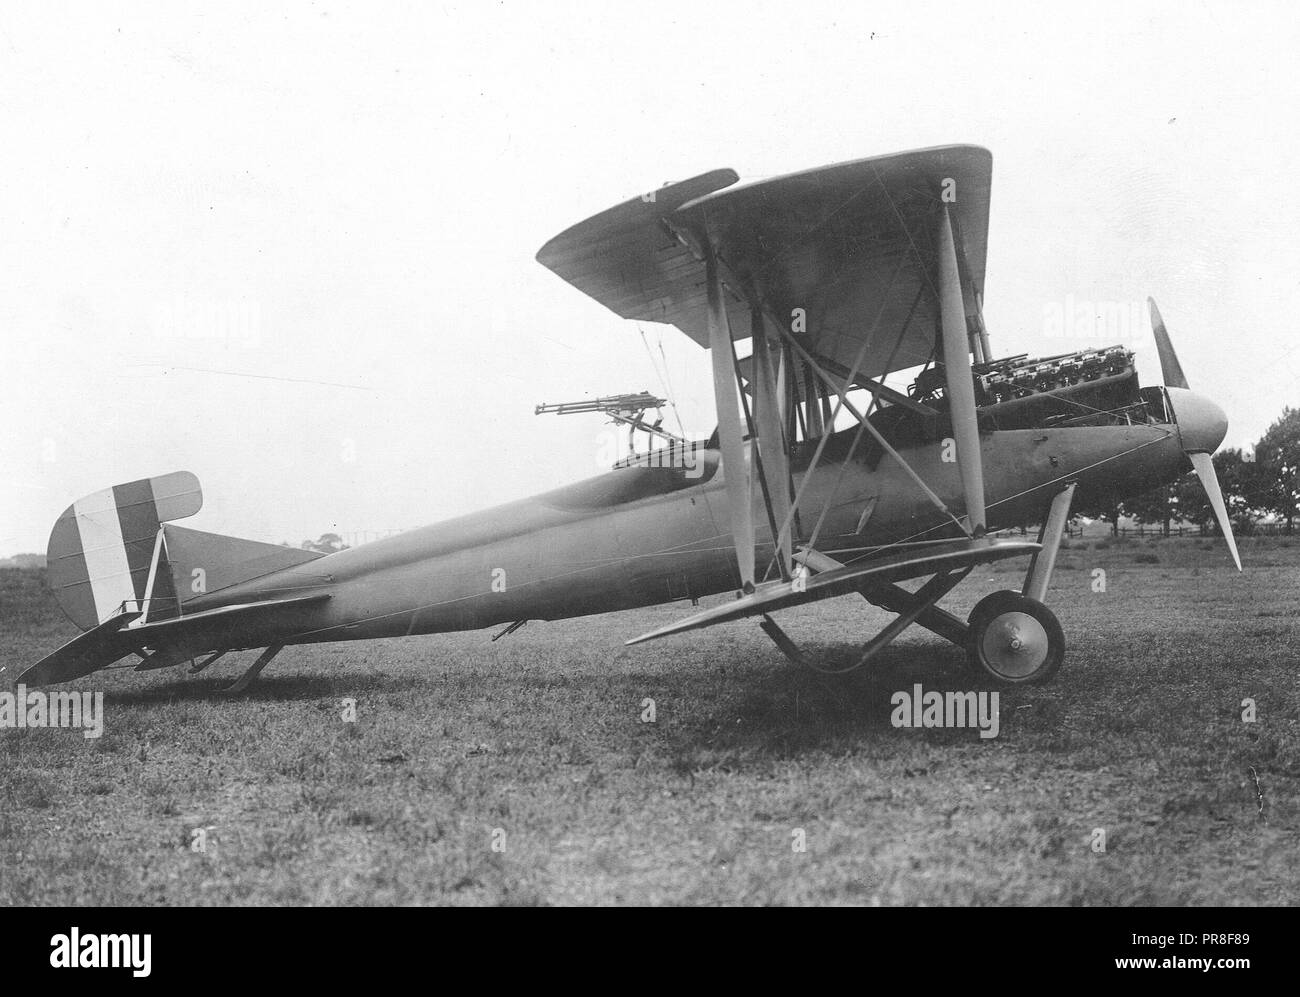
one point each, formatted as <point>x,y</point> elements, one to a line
<point>279,688</point>
<point>781,711</point>
<point>728,708</point>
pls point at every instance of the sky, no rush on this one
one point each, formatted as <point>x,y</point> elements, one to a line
<point>290,248</point>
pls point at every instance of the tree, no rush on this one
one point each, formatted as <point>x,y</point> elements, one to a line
<point>329,543</point>
<point>1246,488</point>
<point>1193,505</point>
<point>1156,505</point>
<point>1277,458</point>
<point>1106,507</point>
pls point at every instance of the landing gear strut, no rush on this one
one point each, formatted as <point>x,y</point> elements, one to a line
<point>918,603</point>
<point>1012,637</point>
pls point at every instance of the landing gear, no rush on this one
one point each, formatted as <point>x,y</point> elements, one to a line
<point>1011,638</point>
<point>916,605</point>
<point>249,677</point>
<point>1014,640</point>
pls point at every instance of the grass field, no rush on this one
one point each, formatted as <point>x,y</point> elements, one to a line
<point>539,739</point>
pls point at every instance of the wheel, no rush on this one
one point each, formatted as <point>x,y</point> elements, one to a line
<point>1014,640</point>
<point>991,604</point>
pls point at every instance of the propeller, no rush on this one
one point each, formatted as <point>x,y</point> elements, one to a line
<point>1201,426</point>
<point>1170,369</point>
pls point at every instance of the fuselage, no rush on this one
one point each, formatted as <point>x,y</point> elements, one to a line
<point>638,536</point>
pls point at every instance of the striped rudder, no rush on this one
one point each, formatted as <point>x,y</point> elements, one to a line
<point>106,551</point>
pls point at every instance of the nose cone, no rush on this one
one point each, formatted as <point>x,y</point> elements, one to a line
<point>1202,425</point>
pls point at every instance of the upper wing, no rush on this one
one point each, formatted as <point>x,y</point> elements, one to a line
<point>851,245</point>
<point>632,262</point>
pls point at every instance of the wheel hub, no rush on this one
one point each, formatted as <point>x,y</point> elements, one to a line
<point>1015,644</point>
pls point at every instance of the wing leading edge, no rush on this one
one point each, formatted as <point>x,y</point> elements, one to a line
<point>852,245</point>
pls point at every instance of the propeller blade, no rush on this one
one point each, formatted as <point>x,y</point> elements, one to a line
<point>1202,462</point>
<point>1170,369</point>
<point>1204,467</point>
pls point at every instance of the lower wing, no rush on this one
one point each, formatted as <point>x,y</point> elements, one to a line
<point>910,562</point>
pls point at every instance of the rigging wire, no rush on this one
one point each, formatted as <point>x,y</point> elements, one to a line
<point>665,380</point>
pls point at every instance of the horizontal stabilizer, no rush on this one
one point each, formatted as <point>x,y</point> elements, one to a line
<point>911,562</point>
<point>121,635</point>
<point>202,563</point>
<point>85,653</point>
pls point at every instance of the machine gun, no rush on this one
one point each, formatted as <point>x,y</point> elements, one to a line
<point>629,410</point>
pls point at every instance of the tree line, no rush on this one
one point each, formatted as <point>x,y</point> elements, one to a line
<point>1256,486</point>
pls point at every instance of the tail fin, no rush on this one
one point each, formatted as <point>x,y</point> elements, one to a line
<point>110,553</point>
<point>105,549</point>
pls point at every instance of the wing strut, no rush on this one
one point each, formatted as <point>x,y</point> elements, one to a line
<point>815,372</point>
<point>731,434</point>
<point>917,480</point>
<point>775,466</point>
<point>961,387</point>
<point>757,471</point>
<point>849,377</point>
<point>985,348</point>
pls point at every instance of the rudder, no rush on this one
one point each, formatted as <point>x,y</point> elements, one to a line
<point>105,548</point>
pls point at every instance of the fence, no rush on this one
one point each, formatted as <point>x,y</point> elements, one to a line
<point>1157,530</point>
<point>1254,529</point>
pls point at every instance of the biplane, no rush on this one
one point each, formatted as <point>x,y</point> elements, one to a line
<point>821,479</point>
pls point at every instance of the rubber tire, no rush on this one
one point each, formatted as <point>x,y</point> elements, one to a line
<point>992,604</point>
<point>989,610</point>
